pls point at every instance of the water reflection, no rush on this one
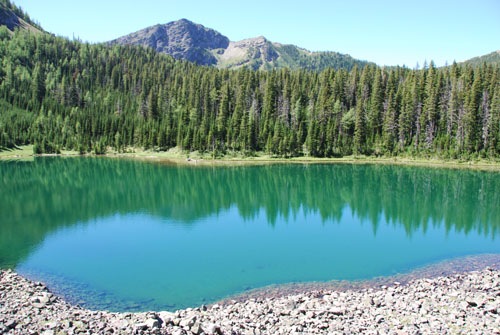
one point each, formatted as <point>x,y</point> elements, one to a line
<point>49,193</point>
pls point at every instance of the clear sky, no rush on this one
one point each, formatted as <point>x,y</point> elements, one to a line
<point>387,32</point>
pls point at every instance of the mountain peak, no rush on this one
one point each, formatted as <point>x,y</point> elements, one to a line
<point>184,22</point>
<point>259,39</point>
<point>191,41</point>
<point>182,39</point>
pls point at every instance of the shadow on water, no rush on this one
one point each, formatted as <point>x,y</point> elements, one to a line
<point>47,194</point>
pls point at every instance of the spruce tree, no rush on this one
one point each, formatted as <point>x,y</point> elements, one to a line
<point>360,130</point>
<point>472,115</point>
<point>38,83</point>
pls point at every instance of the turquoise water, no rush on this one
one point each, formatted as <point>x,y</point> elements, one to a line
<point>127,235</point>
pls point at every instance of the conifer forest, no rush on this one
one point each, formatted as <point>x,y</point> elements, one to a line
<point>60,94</point>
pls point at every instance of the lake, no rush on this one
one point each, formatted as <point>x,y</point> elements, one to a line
<point>126,235</point>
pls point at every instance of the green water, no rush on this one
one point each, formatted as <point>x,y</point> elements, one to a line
<point>127,235</point>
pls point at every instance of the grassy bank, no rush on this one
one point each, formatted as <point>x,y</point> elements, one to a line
<point>176,156</point>
<point>25,152</point>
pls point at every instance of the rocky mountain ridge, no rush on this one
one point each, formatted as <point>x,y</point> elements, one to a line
<point>187,40</point>
<point>182,39</point>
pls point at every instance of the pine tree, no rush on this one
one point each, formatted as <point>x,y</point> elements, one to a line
<point>360,130</point>
<point>74,96</point>
<point>494,142</point>
<point>152,105</point>
<point>407,115</point>
<point>376,105</point>
<point>390,123</point>
<point>471,115</point>
<point>269,107</point>
<point>223,115</point>
<point>38,83</point>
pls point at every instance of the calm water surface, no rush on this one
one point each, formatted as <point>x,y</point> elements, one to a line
<point>127,235</point>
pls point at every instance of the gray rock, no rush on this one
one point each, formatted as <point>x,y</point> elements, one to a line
<point>213,329</point>
<point>475,301</point>
<point>140,326</point>
<point>178,331</point>
<point>10,324</point>
<point>166,317</point>
<point>66,323</point>
<point>120,324</point>
<point>379,318</point>
<point>492,308</point>
<point>336,311</point>
<point>188,322</point>
<point>51,325</point>
<point>44,298</point>
<point>196,329</point>
<point>152,323</point>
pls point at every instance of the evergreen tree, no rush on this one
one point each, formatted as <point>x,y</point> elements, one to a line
<point>471,115</point>
<point>360,130</point>
<point>38,84</point>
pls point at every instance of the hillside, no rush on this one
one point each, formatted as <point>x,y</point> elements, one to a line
<point>491,58</point>
<point>184,39</point>
<point>261,54</point>
<point>13,17</point>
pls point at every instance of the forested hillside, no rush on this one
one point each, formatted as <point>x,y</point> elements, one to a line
<point>491,58</point>
<point>56,94</point>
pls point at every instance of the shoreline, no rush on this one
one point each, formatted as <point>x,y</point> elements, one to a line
<point>459,300</point>
<point>72,292</point>
<point>448,267</point>
<point>194,159</point>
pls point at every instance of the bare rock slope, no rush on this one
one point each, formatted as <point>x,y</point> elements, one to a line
<point>12,20</point>
<point>182,39</point>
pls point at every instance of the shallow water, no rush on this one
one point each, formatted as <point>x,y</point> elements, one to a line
<point>127,235</point>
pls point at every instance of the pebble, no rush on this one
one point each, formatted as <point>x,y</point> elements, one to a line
<point>464,303</point>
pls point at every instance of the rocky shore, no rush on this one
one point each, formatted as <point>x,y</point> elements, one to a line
<point>466,303</point>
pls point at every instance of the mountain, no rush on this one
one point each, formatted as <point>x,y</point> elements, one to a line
<point>182,39</point>
<point>491,58</point>
<point>187,40</point>
<point>13,17</point>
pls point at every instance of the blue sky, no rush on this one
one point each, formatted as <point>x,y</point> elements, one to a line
<point>386,32</point>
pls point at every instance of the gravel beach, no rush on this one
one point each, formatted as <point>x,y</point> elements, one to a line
<point>467,303</point>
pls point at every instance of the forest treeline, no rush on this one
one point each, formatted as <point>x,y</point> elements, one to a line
<point>56,93</point>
